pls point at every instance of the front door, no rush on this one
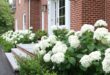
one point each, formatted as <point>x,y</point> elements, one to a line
<point>58,12</point>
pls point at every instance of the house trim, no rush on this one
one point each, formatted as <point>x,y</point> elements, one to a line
<point>24,21</point>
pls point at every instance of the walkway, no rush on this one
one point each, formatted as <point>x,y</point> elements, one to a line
<point>5,68</point>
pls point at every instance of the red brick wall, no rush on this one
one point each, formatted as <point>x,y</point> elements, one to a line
<point>76,14</point>
<point>93,10</point>
<point>35,14</point>
<point>82,11</point>
<point>45,2</point>
<point>87,11</point>
<point>46,21</point>
<point>107,12</point>
<point>20,9</point>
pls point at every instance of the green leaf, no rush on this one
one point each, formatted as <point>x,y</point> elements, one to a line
<point>71,49</point>
<point>96,63</point>
<point>79,55</point>
<point>68,66</point>
<point>85,50</point>
<point>91,47</point>
<point>82,68</point>
<point>72,60</point>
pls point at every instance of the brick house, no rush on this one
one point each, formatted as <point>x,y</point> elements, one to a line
<point>42,14</point>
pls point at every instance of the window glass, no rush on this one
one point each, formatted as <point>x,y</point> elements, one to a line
<point>61,12</point>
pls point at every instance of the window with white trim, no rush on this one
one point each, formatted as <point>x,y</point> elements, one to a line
<point>61,12</point>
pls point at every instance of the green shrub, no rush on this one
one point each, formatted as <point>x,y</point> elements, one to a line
<point>9,39</point>
<point>48,73</point>
<point>26,39</point>
<point>6,45</point>
<point>61,34</point>
<point>40,33</point>
<point>32,67</point>
<point>83,52</point>
<point>29,66</point>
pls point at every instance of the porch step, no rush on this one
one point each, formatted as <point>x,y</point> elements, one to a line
<point>12,61</point>
<point>19,53</point>
<point>27,48</point>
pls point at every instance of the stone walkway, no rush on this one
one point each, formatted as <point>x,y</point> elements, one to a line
<point>5,68</point>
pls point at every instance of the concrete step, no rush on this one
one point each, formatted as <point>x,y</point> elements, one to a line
<point>12,61</point>
<point>19,53</point>
<point>27,48</point>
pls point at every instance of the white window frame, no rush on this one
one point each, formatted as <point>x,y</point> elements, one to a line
<point>24,21</point>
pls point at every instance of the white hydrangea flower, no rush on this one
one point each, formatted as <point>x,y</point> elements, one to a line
<point>54,27</point>
<point>100,23</point>
<point>58,58</point>
<point>18,38</point>
<point>42,52</point>
<point>107,52</point>
<point>74,41</point>
<point>47,57</point>
<point>85,61</point>
<point>15,42</point>
<point>96,55</point>
<point>100,33</point>
<point>62,27</point>
<point>31,27</point>
<point>59,47</point>
<point>50,52</point>
<point>87,27</point>
<point>21,36</point>
<point>78,33</point>
<point>70,32</point>
<point>44,38</point>
<point>106,64</point>
<point>44,44</point>
<point>12,37</point>
<point>36,48</point>
<point>52,39</point>
<point>106,39</point>
<point>31,36</point>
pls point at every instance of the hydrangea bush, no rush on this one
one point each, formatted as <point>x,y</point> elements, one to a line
<point>84,52</point>
<point>9,39</point>
<point>23,36</point>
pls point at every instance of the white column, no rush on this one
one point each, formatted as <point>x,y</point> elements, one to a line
<point>42,20</point>
<point>29,12</point>
<point>67,13</point>
<point>49,16</point>
<point>16,25</point>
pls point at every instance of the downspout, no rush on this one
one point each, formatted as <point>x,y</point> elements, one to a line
<point>29,14</point>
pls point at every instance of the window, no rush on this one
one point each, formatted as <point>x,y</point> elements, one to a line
<point>61,12</point>
<point>24,21</point>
